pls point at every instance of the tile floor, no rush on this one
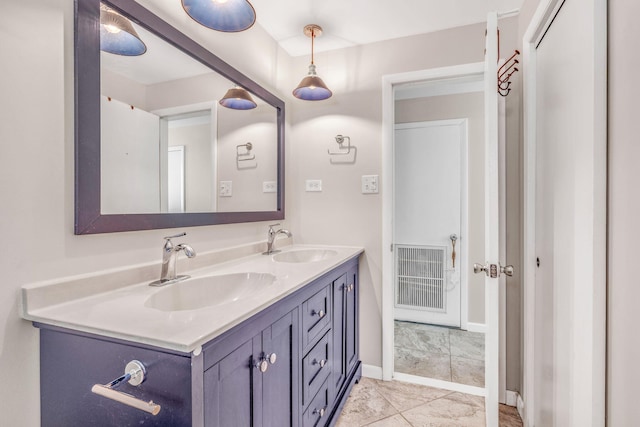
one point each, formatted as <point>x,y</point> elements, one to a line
<point>439,352</point>
<point>376,403</point>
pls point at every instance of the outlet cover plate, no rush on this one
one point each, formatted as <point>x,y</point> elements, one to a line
<point>225,189</point>
<point>369,184</point>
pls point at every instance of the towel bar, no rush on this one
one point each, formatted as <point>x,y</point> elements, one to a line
<point>134,374</point>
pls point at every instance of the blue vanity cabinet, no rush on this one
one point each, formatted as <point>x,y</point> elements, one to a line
<point>289,365</point>
<point>253,382</point>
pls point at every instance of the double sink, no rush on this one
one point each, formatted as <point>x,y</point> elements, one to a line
<point>210,291</point>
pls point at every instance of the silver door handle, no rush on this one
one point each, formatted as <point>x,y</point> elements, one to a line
<point>491,270</point>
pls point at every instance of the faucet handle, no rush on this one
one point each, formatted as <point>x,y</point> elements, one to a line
<point>175,236</point>
<point>273,225</point>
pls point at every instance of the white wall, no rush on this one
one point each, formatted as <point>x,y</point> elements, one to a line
<point>340,214</point>
<point>471,107</point>
<point>623,369</point>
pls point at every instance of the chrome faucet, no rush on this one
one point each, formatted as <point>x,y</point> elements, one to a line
<point>271,237</point>
<point>169,260</point>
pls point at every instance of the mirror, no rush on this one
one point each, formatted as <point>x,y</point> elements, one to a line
<point>154,148</point>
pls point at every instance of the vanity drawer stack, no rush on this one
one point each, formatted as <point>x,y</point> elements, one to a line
<point>316,363</point>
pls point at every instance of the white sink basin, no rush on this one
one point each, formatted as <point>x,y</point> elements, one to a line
<point>304,255</point>
<point>208,291</point>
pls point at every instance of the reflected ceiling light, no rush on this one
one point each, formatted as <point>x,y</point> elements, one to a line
<point>312,88</point>
<point>238,98</point>
<point>117,34</point>
<point>221,15</point>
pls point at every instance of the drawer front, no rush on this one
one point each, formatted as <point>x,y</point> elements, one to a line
<point>318,411</point>
<point>316,317</point>
<point>316,367</point>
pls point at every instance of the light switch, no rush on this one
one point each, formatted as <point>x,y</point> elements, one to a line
<point>226,189</point>
<point>369,184</point>
<point>269,187</point>
<point>313,185</point>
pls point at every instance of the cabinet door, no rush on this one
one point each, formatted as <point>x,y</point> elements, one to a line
<point>339,367</point>
<point>351,320</point>
<point>228,389</point>
<point>278,384</point>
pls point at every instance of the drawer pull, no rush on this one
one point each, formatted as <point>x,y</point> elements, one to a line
<point>320,313</point>
<point>320,412</point>
<point>134,374</point>
<point>320,362</point>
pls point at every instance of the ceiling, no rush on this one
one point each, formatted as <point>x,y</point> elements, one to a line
<point>356,22</point>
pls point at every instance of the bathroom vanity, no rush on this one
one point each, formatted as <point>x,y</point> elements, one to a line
<point>283,354</point>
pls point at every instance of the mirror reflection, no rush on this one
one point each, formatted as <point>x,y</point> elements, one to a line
<point>169,146</point>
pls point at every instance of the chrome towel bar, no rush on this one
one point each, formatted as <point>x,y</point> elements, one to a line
<point>134,374</point>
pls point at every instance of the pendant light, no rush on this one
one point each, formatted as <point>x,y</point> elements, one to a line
<point>117,34</point>
<point>238,98</point>
<point>221,15</point>
<point>312,88</point>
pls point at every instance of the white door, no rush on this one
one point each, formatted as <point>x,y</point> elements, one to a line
<point>492,223</point>
<point>430,167</point>
<point>566,376</point>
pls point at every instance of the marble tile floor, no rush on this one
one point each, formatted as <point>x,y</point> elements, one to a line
<point>375,403</point>
<point>439,352</point>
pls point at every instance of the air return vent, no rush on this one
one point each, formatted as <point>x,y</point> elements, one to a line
<point>420,277</point>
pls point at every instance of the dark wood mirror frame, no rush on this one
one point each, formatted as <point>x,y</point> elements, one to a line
<point>88,216</point>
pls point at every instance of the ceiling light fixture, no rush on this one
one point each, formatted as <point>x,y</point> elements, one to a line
<point>221,15</point>
<point>312,88</point>
<point>238,98</point>
<point>117,34</point>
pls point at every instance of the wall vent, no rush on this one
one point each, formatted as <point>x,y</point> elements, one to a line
<point>420,277</point>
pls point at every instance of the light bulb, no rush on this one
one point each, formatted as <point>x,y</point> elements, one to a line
<point>112,29</point>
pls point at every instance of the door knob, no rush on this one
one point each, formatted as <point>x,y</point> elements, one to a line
<point>508,270</point>
<point>491,270</point>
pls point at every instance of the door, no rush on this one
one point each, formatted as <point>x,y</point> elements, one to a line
<point>430,169</point>
<point>565,378</point>
<point>277,386</point>
<point>492,224</point>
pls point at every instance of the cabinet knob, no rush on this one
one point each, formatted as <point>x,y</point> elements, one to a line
<point>272,358</point>
<point>320,313</point>
<point>320,362</point>
<point>350,287</point>
<point>320,412</point>
<point>262,365</point>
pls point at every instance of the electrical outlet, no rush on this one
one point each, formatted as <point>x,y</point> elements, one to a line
<point>313,185</point>
<point>226,189</point>
<point>269,187</point>
<point>369,184</point>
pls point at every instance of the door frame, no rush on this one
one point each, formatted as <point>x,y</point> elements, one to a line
<point>388,128</point>
<point>463,247</point>
<point>590,366</point>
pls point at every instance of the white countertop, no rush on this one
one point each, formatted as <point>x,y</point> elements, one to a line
<point>121,312</point>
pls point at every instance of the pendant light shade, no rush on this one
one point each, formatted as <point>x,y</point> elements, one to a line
<point>238,98</point>
<point>117,34</point>
<point>312,88</point>
<point>221,15</point>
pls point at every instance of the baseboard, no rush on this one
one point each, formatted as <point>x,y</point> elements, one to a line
<point>511,398</point>
<point>476,327</point>
<point>520,406</point>
<point>371,371</point>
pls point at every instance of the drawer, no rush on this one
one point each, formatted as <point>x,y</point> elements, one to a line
<point>317,413</point>
<point>316,317</point>
<point>316,367</point>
